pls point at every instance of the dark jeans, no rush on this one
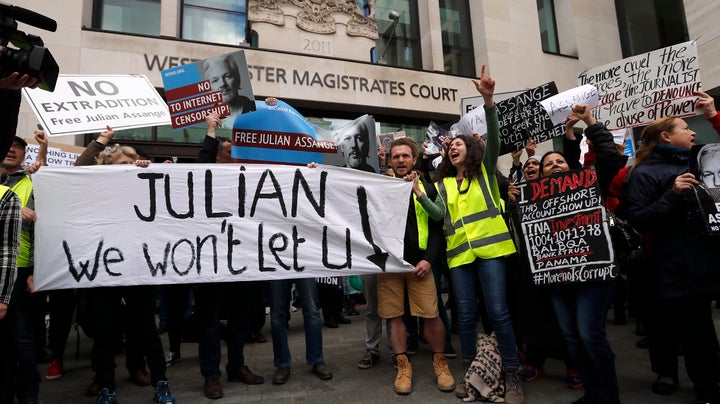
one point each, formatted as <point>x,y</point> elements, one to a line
<point>331,300</point>
<point>687,322</point>
<point>258,291</point>
<point>213,302</point>
<point>62,306</point>
<point>177,298</point>
<point>104,307</point>
<point>581,312</point>
<point>21,360</point>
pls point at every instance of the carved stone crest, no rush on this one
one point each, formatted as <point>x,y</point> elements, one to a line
<point>316,16</point>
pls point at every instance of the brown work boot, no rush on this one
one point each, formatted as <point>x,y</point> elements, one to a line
<point>460,391</point>
<point>403,380</point>
<point>513,388</point>
<point>445,381</point>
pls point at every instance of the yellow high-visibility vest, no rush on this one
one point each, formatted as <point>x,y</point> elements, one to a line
<point>474,225</point>
<point>23,189</point>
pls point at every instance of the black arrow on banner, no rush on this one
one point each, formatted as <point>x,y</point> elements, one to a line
<point>380,257</point>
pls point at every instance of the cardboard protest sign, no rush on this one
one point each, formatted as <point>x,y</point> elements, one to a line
<point>88,103</point>
<point>279,134</point>
<point>218,85</point>
<point>386,139</point>
<point>193,223</point>
<point>639,89</point>
<point>521,117</point>
<point>559,106</point>
<point>705,165</point>
<point>565,229</point>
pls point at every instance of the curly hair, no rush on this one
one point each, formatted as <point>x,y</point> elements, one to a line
<point>109,155</point>
<point>473,160</point>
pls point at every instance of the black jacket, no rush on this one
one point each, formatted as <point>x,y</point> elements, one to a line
<point>607,160</point>
<point>412,252</point>
<point>683,258</point>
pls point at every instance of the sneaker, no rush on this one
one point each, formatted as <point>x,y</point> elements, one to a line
<point>171,357</point>
<point>450,351</point>
<point>368,360</point>
<point>106,397</point>
<point>54,371</point>
<point>513,387</point>
<point>530,373</point>
<point>403,379</point>
<point>573,380</point>
<point>445,381</point>
<point>163,394</point>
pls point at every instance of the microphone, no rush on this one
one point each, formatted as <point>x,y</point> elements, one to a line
<point>29,17</point>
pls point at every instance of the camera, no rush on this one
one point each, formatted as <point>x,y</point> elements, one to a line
<point>31,57</point>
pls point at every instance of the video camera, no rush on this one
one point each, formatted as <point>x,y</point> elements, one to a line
<point>31,58</point>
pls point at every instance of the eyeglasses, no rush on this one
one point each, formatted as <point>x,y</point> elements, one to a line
<point>18,146</point>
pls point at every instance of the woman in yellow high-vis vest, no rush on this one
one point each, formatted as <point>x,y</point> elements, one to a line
<point>478,239</point>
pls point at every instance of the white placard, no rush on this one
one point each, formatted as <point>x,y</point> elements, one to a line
<point>191,223</point>
<point>559,106</point>
<point>88,103</point>
<point>640,89</point>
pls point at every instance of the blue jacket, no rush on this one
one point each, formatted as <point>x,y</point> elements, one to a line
<point>683,258</point>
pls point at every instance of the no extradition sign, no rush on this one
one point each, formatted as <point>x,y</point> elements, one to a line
<point>194,223</point>
<point>86,104</point>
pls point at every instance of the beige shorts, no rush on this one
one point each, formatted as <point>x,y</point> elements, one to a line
<point>422,295</point>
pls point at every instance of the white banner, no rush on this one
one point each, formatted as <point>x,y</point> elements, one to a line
<point>86,104</point>
<point>640,89</point>
<point>191,223</point>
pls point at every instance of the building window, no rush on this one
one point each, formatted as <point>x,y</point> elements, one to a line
<point>457,43</point>
<point>399,36</point>
<point>647,25</point>
<point>216,21</point>
<point>548,26</point>
<point>131,16</point>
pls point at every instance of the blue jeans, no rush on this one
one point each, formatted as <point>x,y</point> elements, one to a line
<point>491,274</point>
<point>581,312</point>
<point>279,303</point>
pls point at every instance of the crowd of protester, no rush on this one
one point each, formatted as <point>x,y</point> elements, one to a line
<point>462,226</point>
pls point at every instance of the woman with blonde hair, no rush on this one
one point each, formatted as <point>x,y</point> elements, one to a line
<point>109,306</point>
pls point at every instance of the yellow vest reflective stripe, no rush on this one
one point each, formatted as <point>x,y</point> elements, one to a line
<point>474,225</point>
<point>23,189</point>
<point>422,220</point>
